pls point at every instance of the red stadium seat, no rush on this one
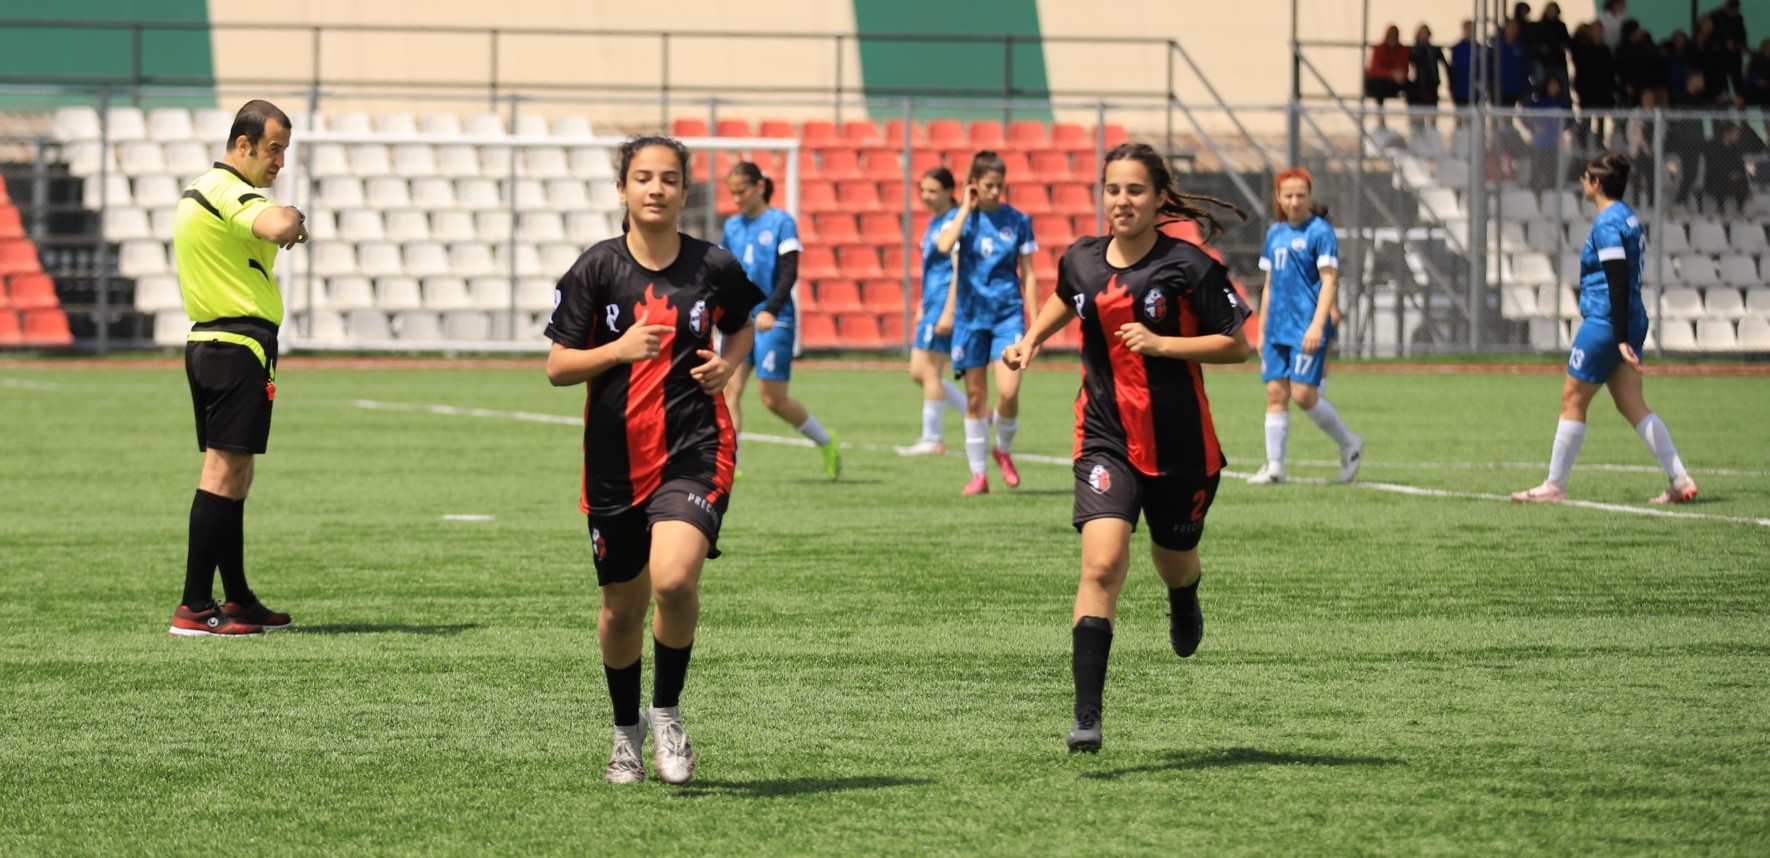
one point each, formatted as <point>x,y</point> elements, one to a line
<point>839,296</point>
<point>945,132</point>
<point>859,331</point>
<point>894,133</point>
<point>919,219</point>
<point>1053,230</point>
<point>881,227</point>
<point>891,329</point>
<point>1072,198</point>
<point>1017,165</point>
<point>1030,197</point>
<point>46,328</point>
<point>32,291</point>
<point>959,161</point>
<point>775,128</point>
<point>1070,137</point>
<point>818,196</point>
<point>858,261</point>
<point>883,295</point>
<point>860,132</point>
<point>1084,225</point>
<point>840,165</point>
<point>733,128</point>
<point>835,227</point>
<point>858,196</point>
<point>819,134</point>
<point>923,160</point>
<point>987,134</point>
<point>1045,266</point>
<point>1087,167</point>
<point>881,162</point>
<point>1185,230</point>
<point>891,194</point>
<point>18,256</point>
<point>10,224</point>
<point>724,205</point>
<point>11,334</point>
<point>688,126</point>
<point>891,260</point>
<point>1115,134</point>
<point>1028,135</point>
<point>1051,167</point>
<point>818,331</point>
<point>818,262</point>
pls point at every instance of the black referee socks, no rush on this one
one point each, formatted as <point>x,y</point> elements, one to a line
<point>210,517</point>
<point>1092,638</point>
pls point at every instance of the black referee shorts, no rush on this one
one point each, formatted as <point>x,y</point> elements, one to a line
<point>232,395</point>
<point>1108,487</point>
<point>621,543</point>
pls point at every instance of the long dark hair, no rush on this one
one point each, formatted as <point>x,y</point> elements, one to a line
<point>631,146</point>
<point>1611,171</point>
<point>1173,201</point>
<point>944,178</point>
<point>753,174</point>
<point>984,163</point>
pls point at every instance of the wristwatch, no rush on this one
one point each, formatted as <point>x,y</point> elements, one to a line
<point>299,213</point>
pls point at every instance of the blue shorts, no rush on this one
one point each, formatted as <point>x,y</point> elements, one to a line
<point>980,345</point>
<point>927,340</point>
<point>1594,356</point>
<point>773,351</point>
<point>1281,362</point>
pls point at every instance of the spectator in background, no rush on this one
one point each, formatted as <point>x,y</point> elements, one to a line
<point>1685,140</point>
<point>1611,19</point>
<point>1549,42</point>
<point>1638,145</point>
<point>1594,81</point>
<point>1462,68</point>
<point>1718,57</point>
<point>1514,63</point>
<point>1545,130</point>
<point>1729,24</point>
<point>1680,58</point>
<point>1386,75</point>
<point>1640,67</point>
<point>1422,92</point>
<point>1757,77</point>
<point>1724,179</point>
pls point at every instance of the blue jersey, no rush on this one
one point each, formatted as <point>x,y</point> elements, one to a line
<point>937,267</point>
<point>990,247</point>
<point>1616,234</point>
<point>1294,257</point>
<point>757,243</point>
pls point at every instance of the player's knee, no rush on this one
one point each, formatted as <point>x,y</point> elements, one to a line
<point>622,617</point>
<point>674,592</point>
<point>1103,574</point>
<point>1306,397</point>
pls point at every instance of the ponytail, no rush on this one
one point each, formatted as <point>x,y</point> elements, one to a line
<point>753,174</point>
<point>1174,202</point>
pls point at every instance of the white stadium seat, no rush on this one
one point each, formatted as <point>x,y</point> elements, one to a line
<point>158,292</point>
<point>350,123</point>
<point>1453,174</point>
<point>322,225</point>
<point>115,190</point>
<point>440,125</point>
<point>1517,205</point>
<point>88,159</point>
<point>351,292</point>
<point>1549,334</point>
<point>327,159</point>
<point>1757,302</point>
<point>593,162</point>
<point>361,225</point>
<point>339,193</point>
<point>152,192</point>
<point>141,158</point>
<point>401,124</point>
<point>466,325</point>
<point>333,259</point>
<point>433,193</point>
<point>545,162</point>
<point>572,126</point>
<point>483,124</point>
<point>1547,236</point>
<point>188,159</point>
<point>448,226</point>
<point>457,162</point>
<point>170,124</point>
<point>603,196</point>
<point>412,160</point>
<point>212,127</point>
<point>568,194</point>
<point>1676,335</point>
<point>137,259</point>
<point>587,228</point>
<point>1723,302</point>
<point>492,226</point>
<point>528,261</point>
<point>417,325</point>
<point>398,293</point>
<point>477,194</point>
<point>1747,237</point>
<point>1708,236</point>
<point>370,160</point>
<point>171,327</point>
<point>125,123</point>
<point>532,194</point>
<point>1532,268</point>
<point>1697,271</point>
<point>1511,234</point>
<point>1754,334</point>
<point>427,259</point>
<point>1683,303</point>
<point>541,227</point>
<point>1567,308</point>
<point>445,293</point>
<point>378,258</point>
<point>408,225</point>
<point>1716,335</point>
<point>489,293</point>
<point>473,259</point>
<point>123,224</point>
<point>368,325</point>
<point>530,125</point>
<point>325,325</point>
<point>557,257</point>
<point>1442,202</point>
<point>388,193</point>
<point>535,294</point>
<point>75,122</point>
<point>163,221</point>
<point>496,161</point>
<point>1674,241</point>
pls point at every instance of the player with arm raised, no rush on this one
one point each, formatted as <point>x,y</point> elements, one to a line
<point>1153,308</point>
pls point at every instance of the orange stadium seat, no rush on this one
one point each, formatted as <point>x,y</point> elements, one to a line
<point>835,227</point>
<point>11,334</point>
<point>775,128</point>
<point>819,134</point>
<point>818,262</point>
<point>1028,135</point>
<point>891,329</point>
<point>734,128</point>
<point>923,160</point>
<point>919,219</point>
<point>894,133</point>
<point>1070,137</point>
<point>881,162</point>
<point>688,126</point>
<point>858,261</point>
<point>47,328</point>
<point>1072,198</point>
<point>32,291</point>
<point>818,196</point>
<point>891,194</point>
<point>858,331</point>
<point>840,165</point>
<point>1031,198</point>
<point>945,133</point>
<point>1051,167</point>
<point>808,165</point>
<point>881,227</point>
<point>18,256</point>
<point>818,331</point>
<point>1087,166</point>
<point>1053,231</point>
<point>10,224</point>
<point>1084,225</point>
<point>891,260</point>
<point>1045,266</point>
<point>4,198</point>
<point>1019,168</point>
<point>1115,134</point>
<point>883,295</point>
<point>838,296</point>
<point>987,134</point>
<point>860,132</point>
<point>858,196</point>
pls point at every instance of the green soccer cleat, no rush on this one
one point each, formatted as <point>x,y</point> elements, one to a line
<point>832,453</point>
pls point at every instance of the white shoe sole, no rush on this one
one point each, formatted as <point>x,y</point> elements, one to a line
<point>199,633</point>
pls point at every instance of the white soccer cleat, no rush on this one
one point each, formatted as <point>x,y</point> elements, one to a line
<point>1546,493</point>
<point>1681,490</point>
<point>1351,456</point>
<point>624,763</point>
<point>1269,473</point>
<point>923,447</point>
<point>671,751</point>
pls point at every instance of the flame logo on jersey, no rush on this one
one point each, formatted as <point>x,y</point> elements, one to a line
<point>697,318</point>
<point>1100,480</point>
<point>1155,305</point>
<point>657,310</point>
<point>597,543</point>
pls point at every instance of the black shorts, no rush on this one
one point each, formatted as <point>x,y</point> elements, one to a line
<point>232,394</point>
<point>1108,487</point>
<point>621,543</point>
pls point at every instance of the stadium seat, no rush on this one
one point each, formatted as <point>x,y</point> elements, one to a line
<point>457,161</point>
<point>32,290</point>
<point>439,125</point>
<point>1053,231</point>
<point>1716,335</point>
<point>834,227</point>
<point>114,188</point>
<point>171,328</point>
<point>1028,135</point>
<point>1548,334</point>
<point>141,158</point>
<point>120,224</point>
<point>159,292</point>
<point>884,295</point>
<point>18,256</point>
<point>689,126</point>
<point>212,126</point>
<point>1069,137</point>
<point>1754,334</point>
<point>1115,134</point>
<point>445,293</point>
<point>775,129</point>
<point>881,163</point>
<point>987,134</point>
<point>541,227</point>
<point>88,159</point>
<point>398,293</point>
<point>945,133</point>
<point>152,192</point>
<point>11,224</point>
<point>478,194</point>
<point>300,293</point>
<point>894,131</point>
<point>475,259</point>
<point>140,258</point>
<point>1568,201</point>
<point>1747,236</point>
<point>495,293</point>
<point>11,332</point>
<point>1757,302</point>
<point>1674,240</point>
<point>1518,205</point>
<point>1558,302</point>
<point>1453,174</point>
<point>466,326</point>
<point>1697,270</point>
<point>861,132</point>
<point>340,194</point>
<point>840,165</point>
<point>882,228</point>
<point>838,296</point>
<point>123,124</point>
<point>361,225</point>
<point>45,328</point>
<point>75,122</point>
<point>1442,203</point>
<point>407,225</point>
<point>1072,198</point>
<point>1682,303</point>
<point>1517,302</point>
<point>819,134</point>
<point>818,331</point>
<point>858,261</point>
<point>818,196</point>
<point>529,125</point>
<point>1707,236</point>
<point>1533,269</point>
<point>383,259</point>
<point>1723,302</point>
<point>858,196</point>
<point>1050,167</point>
<point>891,330</point>
<point>367,324</point>
<point>1511,236</point>
<point>858,331</point>
<point>818,262</point>
<point>1045,266</point>
<point>958,160</point>
<point>1547,236</point>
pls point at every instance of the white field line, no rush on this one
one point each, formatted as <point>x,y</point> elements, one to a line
<point>28,384</point>
<point>1393,488</point>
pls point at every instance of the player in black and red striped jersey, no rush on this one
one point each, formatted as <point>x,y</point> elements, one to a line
<point>1152,308</point>
<point>634,317</point>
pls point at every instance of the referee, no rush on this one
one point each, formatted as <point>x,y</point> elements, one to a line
<point>226,237</point>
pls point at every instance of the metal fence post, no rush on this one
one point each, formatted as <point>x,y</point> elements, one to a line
<point>909,241</point>
<point>1659,225</point>
<point>1100,159</point>
<point>514,267</point>
<point>101,256</point>
<point>709,222</point>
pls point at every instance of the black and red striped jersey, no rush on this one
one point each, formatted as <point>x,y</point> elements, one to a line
<point>1152,411</point>
<point>648,422</point>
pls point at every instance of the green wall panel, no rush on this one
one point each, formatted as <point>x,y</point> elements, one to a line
<point>70,56</point>
<point>894,67</point>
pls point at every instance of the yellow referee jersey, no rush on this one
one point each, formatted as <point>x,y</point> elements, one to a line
<point>224,269</point>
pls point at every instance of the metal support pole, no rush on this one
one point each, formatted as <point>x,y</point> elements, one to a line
<point>909,179</point>
<point>315,42</point>
<point>664,81</point>
<point>837,94</point>
<point>492,95</point>
<point>1659,225</point>
<point>1293,137</point>
<point>513,269</point>
<point>1173,98</point>
<point>136,61</point>
<point>102,253</point>
<point>1100,162</point>
<point>1007,80</point>
<point>709,224</point>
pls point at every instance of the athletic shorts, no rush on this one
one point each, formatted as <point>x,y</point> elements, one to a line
<point>621,543</point>
<point>979,345</point>
<point>232,395</point>
<point>1594,355</point>
<point>1280,362</point>
<point>927,340</point>
<point>772,352</point>
<point>1108,487</point>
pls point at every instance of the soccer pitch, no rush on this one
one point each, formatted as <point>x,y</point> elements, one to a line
<point>1408,665</point>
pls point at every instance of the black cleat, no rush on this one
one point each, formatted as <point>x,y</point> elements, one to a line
<point>1186,623</point>
<point>1085,736</point>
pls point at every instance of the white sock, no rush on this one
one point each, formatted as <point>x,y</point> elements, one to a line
<point>1278,432</point>
<point>1569,435</point>
<point>1658,439</point>
<point>976,442</point>
<point>815,431</point>
<point>1328,419</point>
<point>955,398</point>
<point>933,419</point>
<point>1005,429</point>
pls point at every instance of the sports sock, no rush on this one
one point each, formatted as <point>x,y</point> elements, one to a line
<point>623,692</point>
<point>1569,435</point>
<point>1005,429</point>
<point>976,442</point>
<point>1092,641</point>
<point>671,670</point>
<point>1179,597</point>
<point>231,555</point>
<point>1278,432</point>
<point>814,430</point>
<point>1328,419</point>
<point>1658,439</point>
<point>933,419</point>
<point>209,517</point>
<point>955,398</point>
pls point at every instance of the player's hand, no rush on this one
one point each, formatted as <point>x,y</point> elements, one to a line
<point>1312,340</point>
<point>1020,355</point>
<point>713,374</point>
<point>944,325</point>
<point>1628,355</point>
<point>764,321</point>
<point>970,196</point>
<point>641,341</point>
<point>1139,339</point>
<point>300,238</point>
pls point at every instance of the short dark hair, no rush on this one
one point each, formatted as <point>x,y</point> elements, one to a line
<point>250,121</point>
<point>1611,171</point>
<point>753,174</point>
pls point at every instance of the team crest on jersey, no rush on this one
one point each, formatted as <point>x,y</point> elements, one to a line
<point>1100,480</point>
<point>765,238</point>
<point>697,317</point>
<point>597,543</point>
<point>1298,243</point>
<point>1155,305</point>
<point>1006,234</point>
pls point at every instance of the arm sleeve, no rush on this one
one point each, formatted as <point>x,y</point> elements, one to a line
<point>1219,309</point>
<point>1066,287</point>
<point>786,273</point>
<point>735,295</point>
<point>240,210</point>
<point>1327,247</point>
<point>1266,252</point>
<point>1616,276</point>
<point>574,309</point>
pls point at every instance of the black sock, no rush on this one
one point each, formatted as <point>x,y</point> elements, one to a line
<point>209,517</point>
<point>1093,642</point>
<point>623,692</point>
<point>672,670</point>
<point>231,556</point>
<point>1179,597</point>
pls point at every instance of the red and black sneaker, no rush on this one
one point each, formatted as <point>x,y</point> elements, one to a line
<point>211,620</point>
<point>256,614</point>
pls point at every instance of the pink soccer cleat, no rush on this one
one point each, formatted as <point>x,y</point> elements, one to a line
<point>1681,490</point>
<point>1545,493</point>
